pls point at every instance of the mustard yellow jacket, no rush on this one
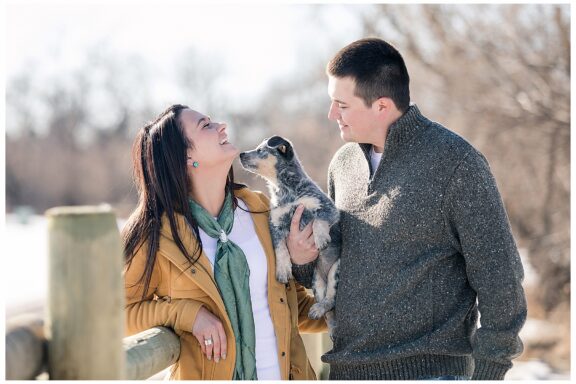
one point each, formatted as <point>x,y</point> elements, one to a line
<point>177,291</point>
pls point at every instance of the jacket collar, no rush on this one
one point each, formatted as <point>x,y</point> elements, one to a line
<point>253,202</point>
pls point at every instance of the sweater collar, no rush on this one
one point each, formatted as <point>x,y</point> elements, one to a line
<point>402,130</point>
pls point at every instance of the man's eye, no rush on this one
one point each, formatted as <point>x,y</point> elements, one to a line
<point>342,107</point>
<point>207,125</point>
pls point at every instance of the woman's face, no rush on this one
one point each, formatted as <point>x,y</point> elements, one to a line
<point>210,140</point>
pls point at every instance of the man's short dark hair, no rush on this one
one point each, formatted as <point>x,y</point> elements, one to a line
<point>377,68</point>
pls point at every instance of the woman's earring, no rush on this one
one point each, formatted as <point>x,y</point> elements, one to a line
<point>195,164</point>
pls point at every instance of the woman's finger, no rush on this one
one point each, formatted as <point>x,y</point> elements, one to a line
<point>209,343</point>
<point>223,341</point>
<point>216,340</point>
<point>202,346</point>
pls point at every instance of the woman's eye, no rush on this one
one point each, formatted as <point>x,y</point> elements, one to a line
<point>342,107</point>
<point>207,125</point>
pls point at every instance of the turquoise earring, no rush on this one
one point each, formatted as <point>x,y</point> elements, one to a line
<point>195,164</point>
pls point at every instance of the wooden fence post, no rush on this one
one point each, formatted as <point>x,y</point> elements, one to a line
<point>85,320</point>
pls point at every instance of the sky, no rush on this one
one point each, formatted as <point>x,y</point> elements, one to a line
<point>252,44</point>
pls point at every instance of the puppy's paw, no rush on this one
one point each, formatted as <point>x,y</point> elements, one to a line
<point>283,275</point>
<point>316,311</point>
<point>321,241</point>
<point>321,230</point>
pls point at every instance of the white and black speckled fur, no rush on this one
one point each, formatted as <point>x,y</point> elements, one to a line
<point>289,185</point>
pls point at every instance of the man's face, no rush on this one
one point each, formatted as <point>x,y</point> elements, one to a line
<point>357,122</point>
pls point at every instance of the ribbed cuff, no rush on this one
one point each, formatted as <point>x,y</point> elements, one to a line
<point>419,367</point>
<point>487,370</point>
<point>304,273</point>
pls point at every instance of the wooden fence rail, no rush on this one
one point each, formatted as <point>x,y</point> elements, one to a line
<point>150,352</point>
<point>147,353</point>
<point>25,347</point>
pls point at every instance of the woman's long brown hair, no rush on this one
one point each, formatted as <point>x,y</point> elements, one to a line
<point>161,178</point>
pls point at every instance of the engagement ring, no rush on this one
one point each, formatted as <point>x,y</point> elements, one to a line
<point>207,341</point>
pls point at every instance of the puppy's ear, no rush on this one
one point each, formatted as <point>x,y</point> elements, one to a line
<point>282,145</point>
<point>276,141</point>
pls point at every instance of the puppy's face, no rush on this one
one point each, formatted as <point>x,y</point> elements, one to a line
<point>268,158</point>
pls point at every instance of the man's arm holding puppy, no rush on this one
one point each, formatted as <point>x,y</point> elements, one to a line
<point>302,249</point>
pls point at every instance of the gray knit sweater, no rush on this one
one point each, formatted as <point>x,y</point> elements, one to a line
<point>426,245</point>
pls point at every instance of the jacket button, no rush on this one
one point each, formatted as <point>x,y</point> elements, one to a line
<point>281,300</point>
<point>287,286</point>
<point>193,271</point>
<point>283,353</point>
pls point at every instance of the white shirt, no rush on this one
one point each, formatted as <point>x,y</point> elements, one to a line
<point>244,235</point>
<point>374,160</point>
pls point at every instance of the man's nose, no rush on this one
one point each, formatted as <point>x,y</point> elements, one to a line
<point>332,112</point>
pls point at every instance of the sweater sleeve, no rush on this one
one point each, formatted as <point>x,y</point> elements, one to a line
<point>150,311</point>
<point>478,224</point>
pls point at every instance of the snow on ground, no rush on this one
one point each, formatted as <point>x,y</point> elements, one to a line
<point>534,370</point>
<point>25,262</point>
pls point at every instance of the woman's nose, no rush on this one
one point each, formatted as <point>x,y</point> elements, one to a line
<point>222,127</point>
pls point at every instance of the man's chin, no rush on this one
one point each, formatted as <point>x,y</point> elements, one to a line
<point>346,137</point>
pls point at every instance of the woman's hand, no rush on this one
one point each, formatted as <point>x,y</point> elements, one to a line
<point>301,245</point>
<point>209,327</point>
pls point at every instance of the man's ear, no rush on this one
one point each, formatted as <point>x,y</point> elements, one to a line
<point>383,104</point>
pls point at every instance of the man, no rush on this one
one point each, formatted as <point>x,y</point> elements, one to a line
<point>426,242</point>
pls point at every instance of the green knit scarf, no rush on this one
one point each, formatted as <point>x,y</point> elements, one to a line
<point>232,272</point>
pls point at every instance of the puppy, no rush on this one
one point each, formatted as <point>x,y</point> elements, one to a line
<point>275,160</point>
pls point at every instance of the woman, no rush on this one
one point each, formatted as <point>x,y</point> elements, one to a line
<point>198,256</point>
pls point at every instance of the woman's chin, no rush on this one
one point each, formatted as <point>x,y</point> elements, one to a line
<point>230,148</point>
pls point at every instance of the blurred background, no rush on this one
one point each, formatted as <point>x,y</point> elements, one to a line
<point>82,79</point>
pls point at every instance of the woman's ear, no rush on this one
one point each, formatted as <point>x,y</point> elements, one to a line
<point>189,159</point>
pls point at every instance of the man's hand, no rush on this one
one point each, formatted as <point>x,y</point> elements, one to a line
<point>301,244</point>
